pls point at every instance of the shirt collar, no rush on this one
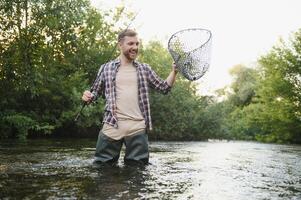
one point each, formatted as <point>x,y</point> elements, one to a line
<point>117,62</point>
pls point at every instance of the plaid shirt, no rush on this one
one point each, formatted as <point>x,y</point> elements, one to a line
<point>106,82</point>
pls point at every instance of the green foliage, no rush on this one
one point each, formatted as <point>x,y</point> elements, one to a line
<point>49,53</point>
<point>279,90</point>
<point>21,125</point>
<point>235,120</point>
<point>243,85</point>
<point>266,100</point>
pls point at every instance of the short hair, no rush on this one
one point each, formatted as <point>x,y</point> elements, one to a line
<point>126,32</point>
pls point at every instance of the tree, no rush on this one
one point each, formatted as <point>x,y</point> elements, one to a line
<point>280,91</point>
<point>236,122</point>
<point>265,101</point>
<point>49,53</point>
<point>243,85</point>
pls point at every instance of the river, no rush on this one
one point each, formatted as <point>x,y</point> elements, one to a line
<point>61,169</point>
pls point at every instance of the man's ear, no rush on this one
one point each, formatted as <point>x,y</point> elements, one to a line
<point>119,44</point>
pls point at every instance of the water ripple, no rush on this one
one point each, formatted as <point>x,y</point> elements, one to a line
<point>178,170</point>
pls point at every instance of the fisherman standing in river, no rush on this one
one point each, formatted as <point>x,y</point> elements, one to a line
<point>125,83</point>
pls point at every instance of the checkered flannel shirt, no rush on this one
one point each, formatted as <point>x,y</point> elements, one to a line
<point>106,83</point>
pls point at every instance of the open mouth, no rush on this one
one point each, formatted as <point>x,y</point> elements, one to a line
<point>133,53</point>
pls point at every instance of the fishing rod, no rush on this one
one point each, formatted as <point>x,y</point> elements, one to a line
<point>84,104</point>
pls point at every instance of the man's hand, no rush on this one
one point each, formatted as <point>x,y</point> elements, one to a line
<point>87,96</point>
<point>172,75</point>
<point>174,67</point>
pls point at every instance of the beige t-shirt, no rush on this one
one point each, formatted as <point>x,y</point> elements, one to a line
<point>129,116</point>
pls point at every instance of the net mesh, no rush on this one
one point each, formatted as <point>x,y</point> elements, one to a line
<point>191,49</point>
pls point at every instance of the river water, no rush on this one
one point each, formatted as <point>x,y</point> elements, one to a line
<point>61,169</point>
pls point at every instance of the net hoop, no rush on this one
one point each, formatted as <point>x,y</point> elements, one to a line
<point>191,50</point>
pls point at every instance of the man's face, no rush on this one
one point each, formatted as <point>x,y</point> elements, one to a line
<point>129,47</point>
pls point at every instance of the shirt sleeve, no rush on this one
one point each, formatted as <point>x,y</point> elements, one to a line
<point>156,82</point>
<point>97,86</point>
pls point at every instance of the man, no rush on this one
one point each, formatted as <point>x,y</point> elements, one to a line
<point>124,82</point>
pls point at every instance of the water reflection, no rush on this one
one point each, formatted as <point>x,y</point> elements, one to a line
<point>117,182</point>
<point>43,169</point>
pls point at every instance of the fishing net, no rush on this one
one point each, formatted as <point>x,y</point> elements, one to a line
<point>191,50</point>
